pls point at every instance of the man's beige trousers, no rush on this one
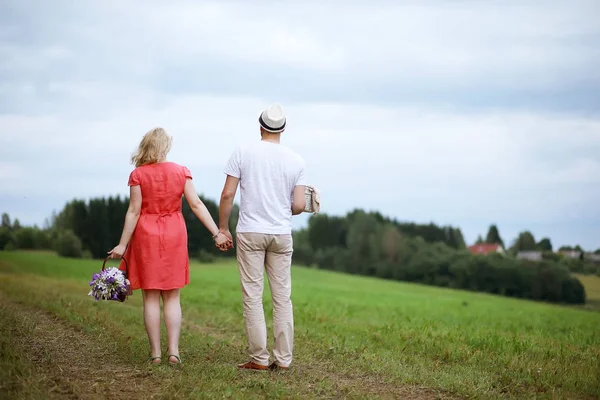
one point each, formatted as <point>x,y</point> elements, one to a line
<point>255,253</point>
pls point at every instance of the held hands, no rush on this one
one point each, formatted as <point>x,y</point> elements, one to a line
<point>117,252</point>
<point>223,240</point>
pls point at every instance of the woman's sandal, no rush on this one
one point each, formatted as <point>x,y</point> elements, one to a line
<point>155,358</point>
<point>172,362</point>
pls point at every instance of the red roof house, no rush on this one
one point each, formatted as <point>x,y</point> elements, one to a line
<point>486,248</point>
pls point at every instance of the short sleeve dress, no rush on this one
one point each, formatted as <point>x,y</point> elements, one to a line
<point>157,254</point>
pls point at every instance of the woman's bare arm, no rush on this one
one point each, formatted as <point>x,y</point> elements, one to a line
<point>200,211</point>
<point>131,220</point>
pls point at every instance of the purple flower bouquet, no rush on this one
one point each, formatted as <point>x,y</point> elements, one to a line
<point>110,284</point>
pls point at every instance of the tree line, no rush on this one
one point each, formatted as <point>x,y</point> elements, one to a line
<point>365,243</point>
<point>369,244</point>
<point>579,261</point>
<point>90,228</point>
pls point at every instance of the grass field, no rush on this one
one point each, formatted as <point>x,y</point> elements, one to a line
<point>592,290</point>
<point>355,338</point>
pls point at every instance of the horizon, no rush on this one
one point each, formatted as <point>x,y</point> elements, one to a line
<point>296,227</point>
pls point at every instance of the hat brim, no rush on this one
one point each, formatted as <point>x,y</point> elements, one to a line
<point>271,129</point>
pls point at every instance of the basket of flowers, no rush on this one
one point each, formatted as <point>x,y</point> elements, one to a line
<point>110,283</point>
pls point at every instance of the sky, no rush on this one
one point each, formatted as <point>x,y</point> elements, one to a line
<point>455,112</point>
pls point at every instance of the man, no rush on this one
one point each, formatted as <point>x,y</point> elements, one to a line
<point>272,183</point>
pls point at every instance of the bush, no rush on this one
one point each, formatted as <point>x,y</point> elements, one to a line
<point>26,238</point>
<point>303,255</point>
<point>573,291</point>
<point>326,258</point>
<point>6,237</point>
<point>43,239</point>
<point>10,246</point>
<point>205,257</point>
<point>573,265</point>
<point>67,244</point>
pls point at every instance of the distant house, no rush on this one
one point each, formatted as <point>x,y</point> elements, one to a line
<point>574,254</point>
<point>486,248</point>
<point>530,255</point>
<point>595,258</point>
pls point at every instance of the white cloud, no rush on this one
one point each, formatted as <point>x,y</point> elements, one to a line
<point>454,44</point>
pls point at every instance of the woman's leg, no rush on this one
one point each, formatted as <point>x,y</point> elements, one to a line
<point>172,311</point>
<point>152,320</point>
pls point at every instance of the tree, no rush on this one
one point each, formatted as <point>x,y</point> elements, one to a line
<point>74,217</point>
<point>97,228</point>
<point>390,244</point>
<point>545,245</point>
<point>430,232</point>
<point>525,242</point>
<point>597,251</point>
<point>479,240</point>
<point>303,253</point>
<point>6,237</point>
<point>325,231</point>
<point>570,248</point>
<point>364,243</point>
<point>460,240</point>
<point>6,221</point>
<point>493,236</point>
<point>454,238</point>
<point>116,210</point>
<point>43,239</point>
<point>16,224</point>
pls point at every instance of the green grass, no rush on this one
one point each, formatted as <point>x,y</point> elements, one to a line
<point>592,290</point>
<point>16,376</point>
<point>355,337</point>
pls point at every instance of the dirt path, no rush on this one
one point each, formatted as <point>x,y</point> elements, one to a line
<point>67,362</point>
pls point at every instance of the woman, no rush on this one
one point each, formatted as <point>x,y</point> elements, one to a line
<point>154,238</point>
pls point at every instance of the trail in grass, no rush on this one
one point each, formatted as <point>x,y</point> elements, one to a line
<point>65,362</point>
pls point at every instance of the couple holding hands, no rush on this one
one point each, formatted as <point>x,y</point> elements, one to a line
<point>272,184</point>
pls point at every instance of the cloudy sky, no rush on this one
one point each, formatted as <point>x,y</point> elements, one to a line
<point>458,112</point>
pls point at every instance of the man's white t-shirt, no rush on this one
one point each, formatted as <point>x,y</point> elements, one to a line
<point>268,173</point>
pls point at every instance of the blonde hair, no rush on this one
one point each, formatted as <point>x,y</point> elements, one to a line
<point>153,148</point>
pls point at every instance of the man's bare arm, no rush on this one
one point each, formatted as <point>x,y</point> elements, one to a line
<point>226,203</point>
<point>299,200</point>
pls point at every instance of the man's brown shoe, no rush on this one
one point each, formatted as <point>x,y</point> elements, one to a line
<point>275,367</point>
<point>252,365</point>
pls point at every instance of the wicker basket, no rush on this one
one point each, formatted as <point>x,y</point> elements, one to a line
<point>121,298</point>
